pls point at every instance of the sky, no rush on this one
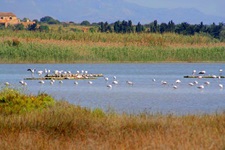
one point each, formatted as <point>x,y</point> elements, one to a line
<point>35,9</point>
<point>209,7</point>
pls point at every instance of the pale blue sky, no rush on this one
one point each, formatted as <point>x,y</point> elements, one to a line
<point>64,10</point>
<point>210,7</point>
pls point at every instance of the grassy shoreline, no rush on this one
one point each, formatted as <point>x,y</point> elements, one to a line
<point>61,125</point>
<point>36,47</point>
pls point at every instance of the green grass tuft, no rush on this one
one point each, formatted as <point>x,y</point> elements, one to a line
<point>14,102</point>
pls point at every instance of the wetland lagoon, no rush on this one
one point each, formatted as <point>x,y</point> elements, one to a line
<point>147,94</point>
<point>146,115</point>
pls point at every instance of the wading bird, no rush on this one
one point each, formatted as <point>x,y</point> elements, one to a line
<point>31,71</point>
<point>202,72</point>
<point>221,86</point>
<point>130,83</point>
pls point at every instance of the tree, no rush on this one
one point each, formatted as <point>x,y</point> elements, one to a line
<point>130,27</point>
<point>19,27</point>
<point>117,26</point>
<point>85,23</point>
<point>32,27</point>
<point>139,28</point>
<point>105,27</point>
<point>163,27</point>
<point>154,26</point>
<point>43,28</point>
<point>214,30</point>
<point>49,20</point>
<point>171,26</point>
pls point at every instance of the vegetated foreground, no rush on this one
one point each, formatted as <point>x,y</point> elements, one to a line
<point>76,47</point>
<point>60,125</point>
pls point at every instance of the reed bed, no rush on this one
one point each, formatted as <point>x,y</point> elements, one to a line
<point>149,39</point>
<point>63,52</point>
<point>72,47</point>
<point>65,126</point>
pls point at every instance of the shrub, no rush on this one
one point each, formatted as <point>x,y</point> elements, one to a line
<point>14,102</point>
<point>15,42</point>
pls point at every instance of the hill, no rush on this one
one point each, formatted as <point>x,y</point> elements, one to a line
<point>105,10</point>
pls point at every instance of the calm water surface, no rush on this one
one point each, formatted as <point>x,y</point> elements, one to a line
<point>144,95</point>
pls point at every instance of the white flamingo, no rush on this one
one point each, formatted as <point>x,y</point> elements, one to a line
<point>40,72</point>
<point>201,87</point>
<point>221,86</point>
<point>221,70</point>
<point>115,82</point>
<point>191,84</point>
<point>163,82</point>
<point>195,82</point>
<point>109,86</point>
<point>207,83</point>
<point>7,83</point>
<point>202,72</point>
<point>178,81</point>
<point>193,72</point>
<point>175,86</point>
<point>31,71</point>
<point>23,83</point>
<point>41,82</point>
<point>130,83</point>
<point>106,79</point>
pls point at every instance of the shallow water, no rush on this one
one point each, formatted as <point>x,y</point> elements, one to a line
<point>144,96</point>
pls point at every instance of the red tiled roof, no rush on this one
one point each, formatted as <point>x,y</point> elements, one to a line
<point>7,14</point>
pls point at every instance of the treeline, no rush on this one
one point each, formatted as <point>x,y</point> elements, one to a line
<point>214,30</point>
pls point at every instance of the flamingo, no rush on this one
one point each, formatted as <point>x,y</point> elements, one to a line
<point>109,86</point>
<point>206,82</point>
<point>214,76</point>
<point>41,82</point>
<point>7,83</point>
<point>221,70</point>
<point>199,77</point>
<point>178,81</point>
<point>221,86</point>
<point>40,72</point>
<point>201,87</point>
<point>202,72</point>
<point>175,87</point>
<point>130,83</point>
<point>163,82</point>
<point>115,82</point>
<point>195,82</point>
<point>31,71</point>
<point>106,79</point>
<point>191,84</point>
<point>193,72</point>
<point>23,83</point>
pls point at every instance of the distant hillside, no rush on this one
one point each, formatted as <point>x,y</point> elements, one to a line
<point>104,10</point>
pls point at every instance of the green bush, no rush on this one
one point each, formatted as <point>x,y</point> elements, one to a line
<point>14,102</point>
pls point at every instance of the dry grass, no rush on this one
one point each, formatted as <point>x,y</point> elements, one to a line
<point>72,47</point>
<point>66,126</point>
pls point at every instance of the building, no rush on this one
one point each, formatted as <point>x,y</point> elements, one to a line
<point>8,18</point>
